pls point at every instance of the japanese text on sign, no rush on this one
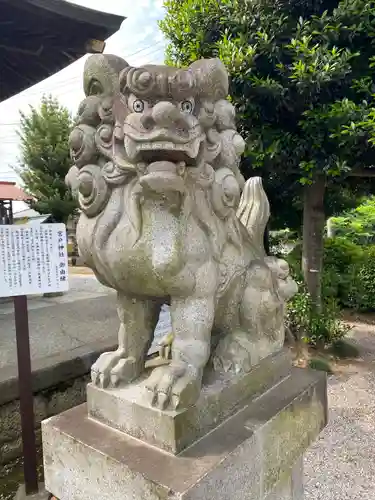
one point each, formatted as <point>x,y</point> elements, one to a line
<point>33,259</point>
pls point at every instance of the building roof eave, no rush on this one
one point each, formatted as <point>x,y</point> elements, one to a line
<point>40,37</point>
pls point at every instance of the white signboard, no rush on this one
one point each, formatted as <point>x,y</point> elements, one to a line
<point>33,259</point>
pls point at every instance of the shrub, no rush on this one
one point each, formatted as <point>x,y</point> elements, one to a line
<point>344,350</point>
<point>348,273</point>
<point>294,259</point>
<point>341,262</point>
<point>317,328</point>
<point>361,293</point>
<point>341,258</point>
<point>340,253</point>
<point>357,224</point>
<point>320,364</point>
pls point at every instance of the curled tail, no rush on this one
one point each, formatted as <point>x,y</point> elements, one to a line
<point>254,211</point>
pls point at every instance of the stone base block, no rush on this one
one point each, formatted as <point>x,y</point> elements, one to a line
<point>128,409</point>
<point>255,454</point>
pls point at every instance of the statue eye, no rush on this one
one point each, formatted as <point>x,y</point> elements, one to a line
<point>138,106</point>
<point>187,106</point>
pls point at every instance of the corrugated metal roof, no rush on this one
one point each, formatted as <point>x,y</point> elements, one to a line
<point>9,191</point>
<point>29,216</point>
<point>27,212</point>
<point>39,219</point>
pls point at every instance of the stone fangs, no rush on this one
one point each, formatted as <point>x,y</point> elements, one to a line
<point>134,149</point>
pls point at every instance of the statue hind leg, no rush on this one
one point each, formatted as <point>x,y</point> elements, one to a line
<point>138,319</point>
<point>259,331</point>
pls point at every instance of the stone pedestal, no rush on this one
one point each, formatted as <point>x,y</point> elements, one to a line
<point>245,438</point>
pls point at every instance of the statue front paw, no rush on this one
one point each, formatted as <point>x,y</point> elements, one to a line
<point>113,368</point>
<point>173,387</point>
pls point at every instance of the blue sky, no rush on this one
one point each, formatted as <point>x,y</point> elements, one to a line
<point>139,41</point>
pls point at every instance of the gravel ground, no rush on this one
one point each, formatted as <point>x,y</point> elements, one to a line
<point>341,464</point>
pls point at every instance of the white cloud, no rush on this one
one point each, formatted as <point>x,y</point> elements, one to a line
<point>139,41</point>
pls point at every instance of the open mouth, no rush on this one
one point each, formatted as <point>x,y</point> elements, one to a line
<point>150,156</point>
<point>151,151</point>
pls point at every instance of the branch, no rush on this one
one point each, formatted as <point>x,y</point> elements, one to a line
<point>356,172</point>
<point>362,172</point>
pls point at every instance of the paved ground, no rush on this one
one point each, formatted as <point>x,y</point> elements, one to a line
<point>85,314</point>
<point>341,464</point>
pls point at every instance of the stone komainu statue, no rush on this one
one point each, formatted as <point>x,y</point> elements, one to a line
<point>167,217</point>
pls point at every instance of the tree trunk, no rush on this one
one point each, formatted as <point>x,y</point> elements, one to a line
<point>313,227</point>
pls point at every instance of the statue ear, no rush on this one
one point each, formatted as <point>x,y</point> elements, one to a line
<point>212,78</point>
<point>119,108</point>
<point>101,74</point>
<point>72,181</point>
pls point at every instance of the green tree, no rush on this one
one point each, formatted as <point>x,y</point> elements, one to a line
<point>302,82</point>
<point>357,224</point>
<point>45,158</point>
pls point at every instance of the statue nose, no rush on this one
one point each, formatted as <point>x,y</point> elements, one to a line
<point>166,114</point>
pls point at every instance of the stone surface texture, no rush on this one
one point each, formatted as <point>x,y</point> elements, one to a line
<point>168,218</point>
<point>127,408</point>
<point>255,454</point>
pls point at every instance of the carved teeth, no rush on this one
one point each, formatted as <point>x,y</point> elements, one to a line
<point>181,166</point>
<point>147,146</point>
<point>133,148</point>
<point>191,148</point>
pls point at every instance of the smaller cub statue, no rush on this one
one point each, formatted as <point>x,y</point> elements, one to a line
<point>166,217</point>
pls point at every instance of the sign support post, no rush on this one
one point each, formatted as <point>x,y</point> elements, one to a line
<point>33,260</point>
<point>26,395</point>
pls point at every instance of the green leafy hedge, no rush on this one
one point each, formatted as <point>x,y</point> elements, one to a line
<point>361,291</point>
<point>348,273</point>
<point>315,328</point>
<point>357,224</point>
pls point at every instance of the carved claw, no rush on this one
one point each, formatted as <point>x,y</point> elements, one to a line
<point>112,368</point>
<point>94,377</point>
<point>115,380</point>
<point>125,371</point>
<point>175,402</point>
<point>161,400</point>
<point>235,353</point>
<point>173,387</point>
<point>103,380</point>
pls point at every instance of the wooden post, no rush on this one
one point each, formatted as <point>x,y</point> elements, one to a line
<point>313,227</point>
<point>26,395</point>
